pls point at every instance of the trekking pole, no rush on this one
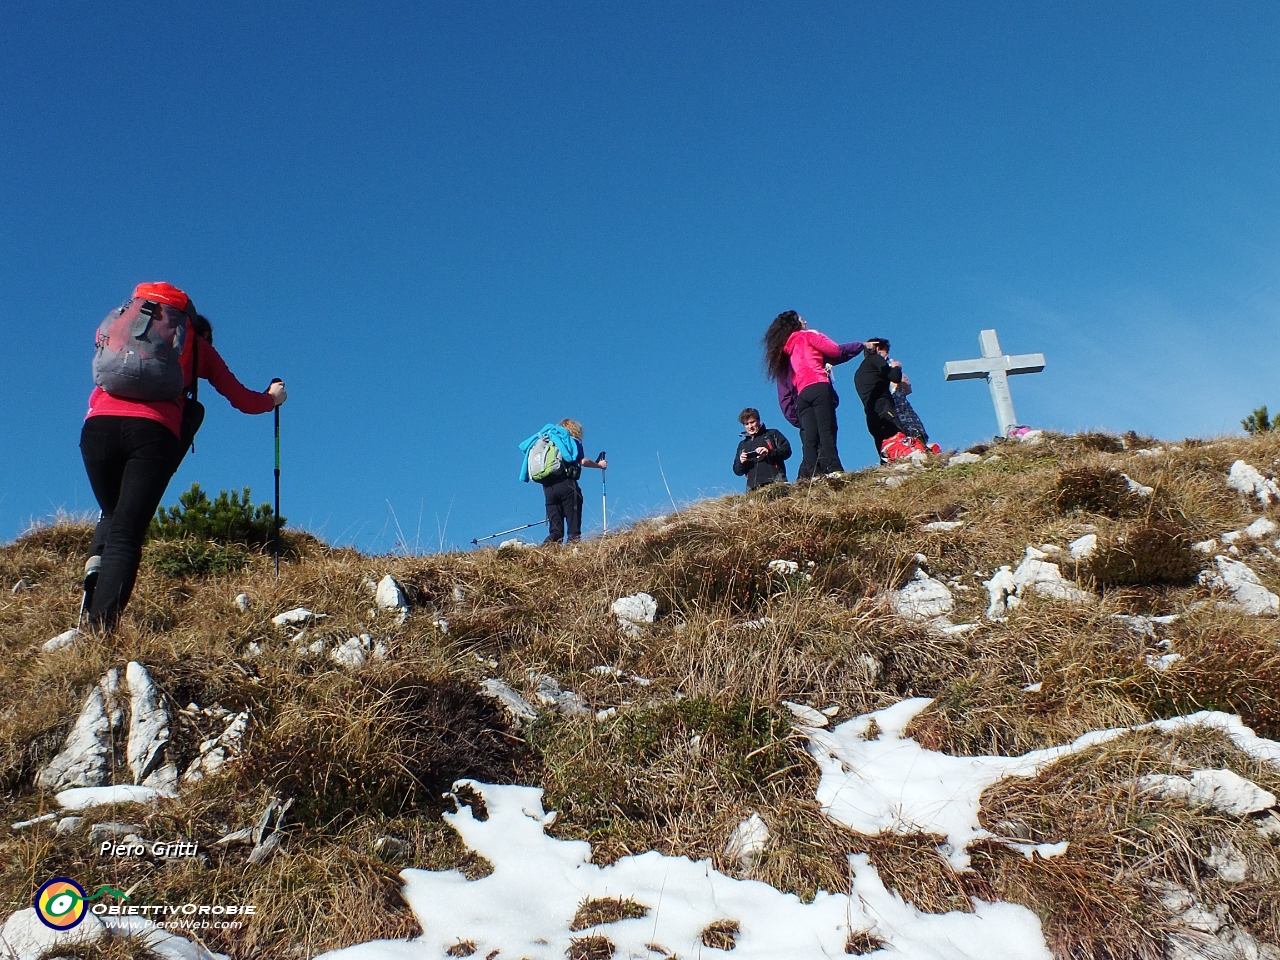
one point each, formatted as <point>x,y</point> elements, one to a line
<point>275,538</point>
<point>604,494</point>
<point>512,530</point>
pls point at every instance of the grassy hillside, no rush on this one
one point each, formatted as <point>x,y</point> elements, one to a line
<point>366,753</point>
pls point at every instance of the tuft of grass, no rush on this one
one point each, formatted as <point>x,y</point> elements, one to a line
<point>721,935</point>
<point>602,910</point>
<point>1092,490</point>
<point>1158,554</point>
<point>590,948</point>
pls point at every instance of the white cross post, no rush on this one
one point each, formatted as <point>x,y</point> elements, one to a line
<point>995,368</point>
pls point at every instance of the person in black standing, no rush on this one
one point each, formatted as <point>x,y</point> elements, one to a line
<point>563,495</point>
<point>872,381</point>
<point>762,454</point>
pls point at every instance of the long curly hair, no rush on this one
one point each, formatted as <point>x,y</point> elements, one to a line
<point>776,362</point>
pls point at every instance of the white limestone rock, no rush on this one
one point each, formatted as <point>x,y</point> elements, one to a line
<point>960,459</point>
<point>565,702</point>
<point>922,599</point>
<point>517,707</point>
<point>783,568</point>
<point>64,639</point>
<point>1247,480</point>
<point>747,842</point>
<point>807,715</point>
<point>1161,663</point>
<point>148,723</point>
<point>1247,592</point>
<point>1137,488</point>
<point>515,543</point>
<point>84,758</point>
<point>389,595</point>
<point>1228,863</point>
<point>216,752</point>
<point>943,526</point>
<point>635,612</point>
<point>242,602</point>
<point>295,616</point>
<point>1217,789</point>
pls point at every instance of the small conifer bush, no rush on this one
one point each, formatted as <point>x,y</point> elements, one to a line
<point>231,518</point>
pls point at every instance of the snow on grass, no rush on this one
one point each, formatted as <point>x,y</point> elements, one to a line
<point>81,798</point>
<point>25,937</point>
<point>874,779</point>
<point>525,908</point>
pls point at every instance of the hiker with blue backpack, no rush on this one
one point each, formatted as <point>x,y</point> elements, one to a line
<point>143,415</point>
<point>554,458</point>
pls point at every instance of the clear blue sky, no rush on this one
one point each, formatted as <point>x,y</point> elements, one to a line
<point>446,224</point>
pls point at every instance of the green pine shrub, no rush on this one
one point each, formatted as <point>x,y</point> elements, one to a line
<point>230,519</point>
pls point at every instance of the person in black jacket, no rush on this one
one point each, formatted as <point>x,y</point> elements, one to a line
<point>762,453</point>
<point>872,381</point>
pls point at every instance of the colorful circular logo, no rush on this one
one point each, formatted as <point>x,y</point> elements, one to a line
<point>60,903</point>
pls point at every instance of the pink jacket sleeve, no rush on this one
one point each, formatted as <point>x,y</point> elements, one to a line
<point>824,345</point>
<point>214,369</point>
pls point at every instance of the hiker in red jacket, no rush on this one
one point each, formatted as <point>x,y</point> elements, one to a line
<point>797,358</point>
<point>131,448</point>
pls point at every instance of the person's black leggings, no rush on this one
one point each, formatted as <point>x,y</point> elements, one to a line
<point>882,423</point>
<point>816,408</point>
<point>564,502</point>
<point>129,461</point>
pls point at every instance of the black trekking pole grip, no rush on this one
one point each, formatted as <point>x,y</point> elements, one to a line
<point>275,534</point>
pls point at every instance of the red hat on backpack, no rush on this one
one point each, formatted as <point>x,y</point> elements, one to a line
<point>162,293</point>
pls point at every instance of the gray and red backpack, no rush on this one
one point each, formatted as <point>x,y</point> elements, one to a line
<point>140,344</point>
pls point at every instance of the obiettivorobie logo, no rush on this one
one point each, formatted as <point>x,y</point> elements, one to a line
<point>60,903</point>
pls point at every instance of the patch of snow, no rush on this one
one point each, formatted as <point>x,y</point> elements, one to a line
<point>1205,546</point>
<point>1232,537</point>
<point>1032,850</point>
<point>994,458</point>
<point>295,616</point>
<point>515,543</point>
<point>960,459</point>
<point>1161,663</point>
<point>1142,626</point>
<point>1247,592</point>
<point>892,784</point>
<point>747,842</point>
<point>606,671</point>
<point>1261,528</point>
<point>242,602</point>
<point>1034,687</point>
<point>806,715</point>
<point>1220,789</point>
<point>1031,437</point>
<point>1007,588</point>
<point>1149,452</point>
<point>82,798</point>
<point>759,624</point>
<point>515,705</point>
<point>785,568</point>
<point>34,821</point>
<point>943,526</point>
<point>894,482</point>
<point>1084,547</point>
<point>1247,480</point>
<point>525,907</point>
<point>922,599</point>
<point>64,639</point>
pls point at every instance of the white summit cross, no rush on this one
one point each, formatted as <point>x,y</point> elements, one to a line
<point>995,368</point>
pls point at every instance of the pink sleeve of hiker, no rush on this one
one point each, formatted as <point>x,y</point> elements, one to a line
<point>214,369</point>
<point>824,345</point>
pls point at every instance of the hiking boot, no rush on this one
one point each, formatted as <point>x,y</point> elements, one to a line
<point>91,568</point>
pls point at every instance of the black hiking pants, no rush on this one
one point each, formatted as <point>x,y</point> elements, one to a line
<point>816,408</point>
<point>882,423</point>
<point>564,502</point>
<point>130,461</point>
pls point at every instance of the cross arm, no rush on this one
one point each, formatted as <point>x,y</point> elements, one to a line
<point>980,369</point>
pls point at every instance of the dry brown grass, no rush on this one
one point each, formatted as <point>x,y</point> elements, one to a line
<point>366,755</point>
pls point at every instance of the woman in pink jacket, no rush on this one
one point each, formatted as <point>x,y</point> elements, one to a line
<point>131,449</point>
<point>796,355</point>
